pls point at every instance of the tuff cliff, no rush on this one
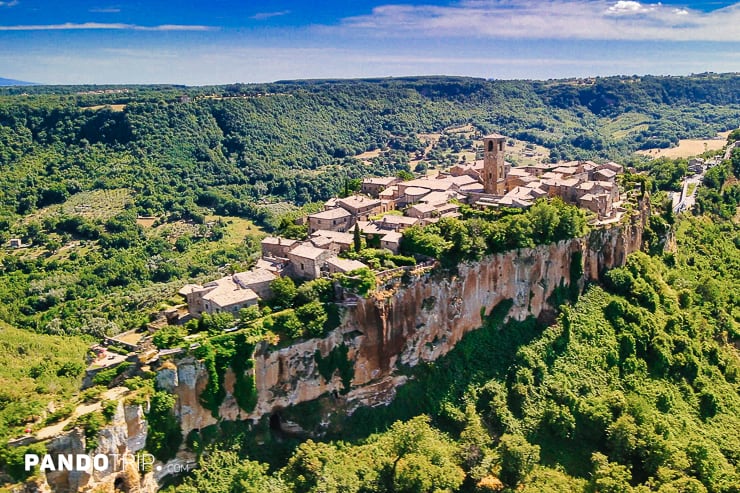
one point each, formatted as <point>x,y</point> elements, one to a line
<point>361,362</point>
<point>416,322</point>
<point>124,436</point>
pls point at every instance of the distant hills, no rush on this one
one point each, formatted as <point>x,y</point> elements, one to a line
<point>13,82</point>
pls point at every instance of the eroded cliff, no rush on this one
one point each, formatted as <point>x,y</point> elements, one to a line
<point>426,318</point>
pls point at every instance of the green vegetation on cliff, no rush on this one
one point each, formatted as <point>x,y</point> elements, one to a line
<point>480,233</point>
<point>634,389</point>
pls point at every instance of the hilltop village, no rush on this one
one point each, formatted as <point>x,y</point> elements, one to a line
<point>386,206</point>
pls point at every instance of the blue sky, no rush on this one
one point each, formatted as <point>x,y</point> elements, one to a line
<point>223,41</point>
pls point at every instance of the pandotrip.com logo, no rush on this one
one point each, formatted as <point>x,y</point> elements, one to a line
<point>142,462</point>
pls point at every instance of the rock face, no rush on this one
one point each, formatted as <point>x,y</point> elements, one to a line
<point>119,442</point>
<point>427,318</point>
<point>418,322</point>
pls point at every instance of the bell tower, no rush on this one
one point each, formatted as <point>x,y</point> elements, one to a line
<point>494,167</point>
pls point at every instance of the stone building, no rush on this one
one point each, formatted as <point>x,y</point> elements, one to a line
<point>306,261</point>
<point>337,219</point>
<point>494,166</point>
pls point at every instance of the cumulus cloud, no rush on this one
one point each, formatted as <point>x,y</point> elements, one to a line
<point>630,7</point>
<point>102,25</point>
<point>551,19</point>
<point>12,3</point>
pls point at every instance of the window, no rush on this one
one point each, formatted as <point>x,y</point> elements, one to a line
<point>490,146</point>
<point>501,145</point>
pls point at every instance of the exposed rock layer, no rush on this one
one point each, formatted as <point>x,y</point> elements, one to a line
<point>419,322</point>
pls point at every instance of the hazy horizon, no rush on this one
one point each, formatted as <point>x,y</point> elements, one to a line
<point>222,42</point>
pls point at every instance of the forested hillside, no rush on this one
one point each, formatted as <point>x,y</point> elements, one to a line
<point>117,196</point>
<point>228,147</point>
<point>636,388</point>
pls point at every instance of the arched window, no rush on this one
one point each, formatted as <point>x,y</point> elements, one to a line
<point>490,146</point>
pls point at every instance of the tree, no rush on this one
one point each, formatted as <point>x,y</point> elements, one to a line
<point>609,477</point>
<point>313,316</point>
<point>545,219</point>
<point>361,281</point>
<point>222,471</point>
<point>249,313</point>
<point>357,238</point>
<point>287,322</point>
<point>518,457</point>
<point>417,458</point>
<point>216,323</point>
<point>283,292</point>
<point>321,467</point>
<point>164,436</point>
<point>169,336</point>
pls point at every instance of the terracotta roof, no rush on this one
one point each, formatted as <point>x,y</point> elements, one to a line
<point>416,191</point>
<point>336,236</point>
<point>277,240</point>
<point>254,276</point>
<point>307,251</point>
<point>358,202</point>
<point>423,208</point>
<point>472,187</point>
<point>345,265</point>
<point>392,237</point>
<point>459,180</point>
<point>337,213</point>
<point>224,292</point>
<point>494,136</point>
<point>608,173</point>
<point>431,184</point>
<point>391,219</point>
<point>382,180</point>
<point>436,198</point>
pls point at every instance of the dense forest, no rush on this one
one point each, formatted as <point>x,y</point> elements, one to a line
<point>119,195</point>
<point>227,148</point>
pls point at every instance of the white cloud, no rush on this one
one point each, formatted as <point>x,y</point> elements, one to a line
<point>630,7</point>
<point>267,15</point>
<point>12,3</point>
<point>105,10</point>
<point>551,19</point>
<point>101,25</point>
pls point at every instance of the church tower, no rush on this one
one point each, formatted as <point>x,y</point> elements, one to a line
<point>494,167</point>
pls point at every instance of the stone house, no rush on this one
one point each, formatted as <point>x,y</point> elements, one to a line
<point>221,295</point>
<point>337,219</point>
<point>306,261</point>
<point>373,186</point>
<point>361,207</point>
<point>276,246</point>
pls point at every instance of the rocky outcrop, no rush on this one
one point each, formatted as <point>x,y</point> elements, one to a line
<point>361,362</point>
<point>418,322</point>
<point>424,320</point>
<point>120,442</point>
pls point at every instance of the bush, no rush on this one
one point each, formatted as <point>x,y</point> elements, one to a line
<point>169,337</point>
<point>313,316</point>
<point>106,377</point>
<point>518,458</point>
<point>283,292</point>
<point>164,436</point>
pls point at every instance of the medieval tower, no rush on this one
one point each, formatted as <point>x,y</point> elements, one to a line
<point>494,167</point>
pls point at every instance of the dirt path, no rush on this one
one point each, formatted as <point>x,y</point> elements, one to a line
<point>58,428</point>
